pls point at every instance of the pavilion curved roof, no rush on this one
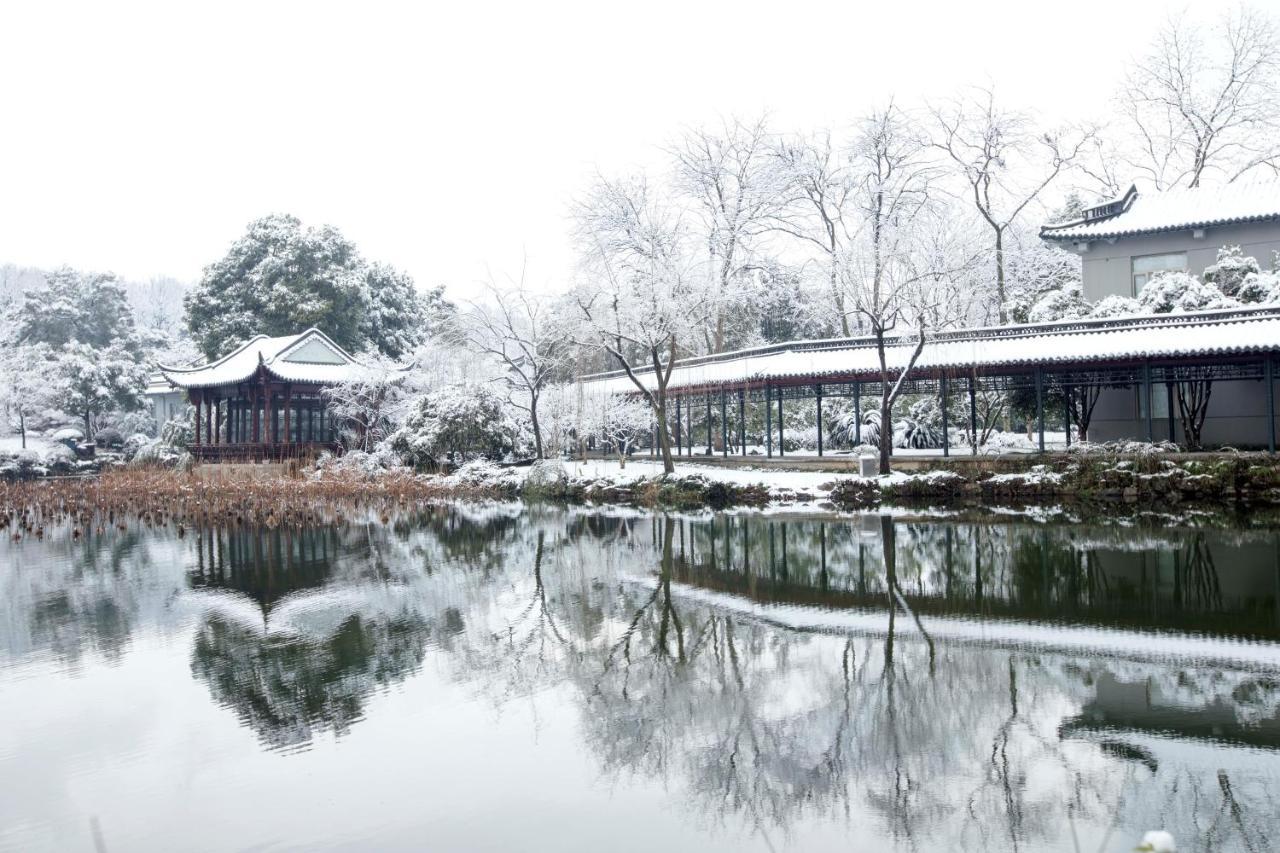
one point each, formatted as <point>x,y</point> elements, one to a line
<point>1002,349</point>
<point>310,358</point>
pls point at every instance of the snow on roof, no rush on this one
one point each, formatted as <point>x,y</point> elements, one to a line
<point>1075,342</point>
<point>1176,210</point>
<point>310,357</point>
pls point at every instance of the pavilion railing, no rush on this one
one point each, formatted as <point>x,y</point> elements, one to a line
<point>261,452</point>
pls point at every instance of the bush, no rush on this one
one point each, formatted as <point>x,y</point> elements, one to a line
<point>922,428</point>
<point>109,437</point>
<point>452,425</point>
<point>133,444</point>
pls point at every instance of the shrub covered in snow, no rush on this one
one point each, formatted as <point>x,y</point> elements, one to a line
<point>921,428</point>
<point>1174,292</point>
<point>356,463</point>
<point>452,425</point>
<point>1229,272</point>
<point>1066,303</point>
<point>1262,288</point>
<point>109,437</point>
<point>1114,306</point>
<point>804,438</point>
<point>133,444</point>
<point>1001,442</point>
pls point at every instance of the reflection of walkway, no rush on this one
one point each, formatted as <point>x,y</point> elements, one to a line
<point>1105,642</point>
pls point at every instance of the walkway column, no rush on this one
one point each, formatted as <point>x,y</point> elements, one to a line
<point>208,422</point>
<point>1168,391</point>
<point>768,422</point>
<point>711,444</point>
<point>288,414</point>
<point>1040,405</point>
<point>818,391</point>
<point>857,413</point>
<point>724,421</point>
<point>781,427</point>
<point>973,416</point>
<point>1066,413</point>
<point>946,421</point>
<point>742,420</point>
<point>677,426</point>
<point>1268,376</point>
<point>1146,397</point>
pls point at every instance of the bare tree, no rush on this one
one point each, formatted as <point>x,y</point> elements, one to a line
<point>895,272</point>
<point>520,330</point>
<point>1004,162</point>
<point>734,184</point>
<point>645,301</point>
<point>1204,101</point>
<point>818,188</point>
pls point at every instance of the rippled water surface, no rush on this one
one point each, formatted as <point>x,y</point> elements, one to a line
<point>503,678</point>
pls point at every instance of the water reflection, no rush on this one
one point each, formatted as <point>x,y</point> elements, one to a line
<point>776,677</point>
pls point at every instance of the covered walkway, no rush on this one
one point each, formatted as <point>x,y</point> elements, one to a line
<point>1150,354</point>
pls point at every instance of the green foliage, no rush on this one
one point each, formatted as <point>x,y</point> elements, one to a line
<point>89,308</point>
<point>280,278</point>
<point>453,425</point>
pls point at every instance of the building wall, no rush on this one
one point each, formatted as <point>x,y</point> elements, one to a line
<point>1237,415</point>
<point>166,406</point>
<point>1108,266</point>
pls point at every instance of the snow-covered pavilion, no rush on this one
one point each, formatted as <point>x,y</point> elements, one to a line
<point>1146,354</point>
<point>264,400</point>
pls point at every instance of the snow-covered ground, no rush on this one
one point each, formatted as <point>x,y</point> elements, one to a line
<point>607,469</point>
<point>13,443</point>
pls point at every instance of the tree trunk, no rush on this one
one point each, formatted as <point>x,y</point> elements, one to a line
<point>886,431</point>
<point>664,435</point>
<point>1000,276</point>
<point>537,429</point>
<point>22,428</point>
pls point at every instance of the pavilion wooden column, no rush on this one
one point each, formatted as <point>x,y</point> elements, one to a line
<point>266,415</point>
<point>742,420</point>
<point>208,421</point>
<point>195,401</point>
<point>781,429</point>
<point>255,428</point>
<point>724,422</point>
<point>288,411</point>
<point>1040,406</point>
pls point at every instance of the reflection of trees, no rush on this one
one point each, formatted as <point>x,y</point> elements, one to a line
<point>289,688</point>
<point>765,727</point>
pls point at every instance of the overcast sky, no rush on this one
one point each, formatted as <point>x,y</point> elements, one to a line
<point>446,139</point>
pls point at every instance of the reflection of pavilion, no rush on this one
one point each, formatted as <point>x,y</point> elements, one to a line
<point>265,564</point>
<point>288,685</point>
<point>1120,708</point>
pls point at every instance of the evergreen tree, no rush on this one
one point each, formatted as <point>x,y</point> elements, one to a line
<point>281,278</point>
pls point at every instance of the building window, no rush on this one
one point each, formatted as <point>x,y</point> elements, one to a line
<point>1146,266</point>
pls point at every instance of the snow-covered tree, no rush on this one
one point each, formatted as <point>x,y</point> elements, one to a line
<point>281,277</point>
<point>1114,305</point>
<point>897,273</point>
<point>371,401</point>
<point>1204,103</point>
<point>1065,303</point>
<point>644,301</point>
<point>735,189</point>
<point>89,308</point>
<point>455,424</point>
<point>94,381</point>
<point>1004,162</point>
<point>520,331</point>
<point>817,187</point>
<point>1035,271</point>
<point>618,421</point>
<point>29,386</point>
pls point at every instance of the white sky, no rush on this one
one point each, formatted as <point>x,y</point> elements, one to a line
<point>446,138</point>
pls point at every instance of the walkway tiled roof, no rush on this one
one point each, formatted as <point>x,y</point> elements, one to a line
<point>1177,210</point>
<point>310,357</point>
<point>1071,342</point>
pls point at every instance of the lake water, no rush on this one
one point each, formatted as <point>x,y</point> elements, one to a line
<point>502,678</point>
